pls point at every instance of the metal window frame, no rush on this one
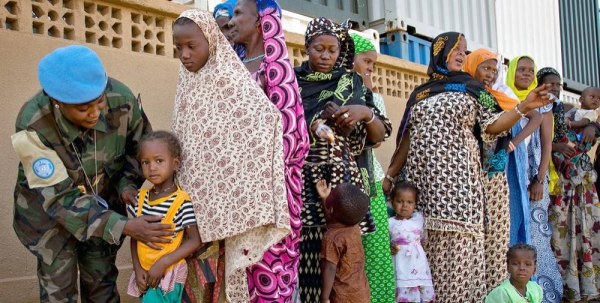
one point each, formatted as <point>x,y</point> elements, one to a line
<point>579,35</point>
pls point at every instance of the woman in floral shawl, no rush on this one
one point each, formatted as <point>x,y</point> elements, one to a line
<point>232,162</point>
<point>333,97</point>
<point>256,26</point>
<point>445,120</point>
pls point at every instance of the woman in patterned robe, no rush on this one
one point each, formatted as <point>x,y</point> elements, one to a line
<point>481,64</point>
<point>333,96</point>
<point>574,211</point>
<point>446,121</point>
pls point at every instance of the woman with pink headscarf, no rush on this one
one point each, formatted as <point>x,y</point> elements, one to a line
<point>256,25</point>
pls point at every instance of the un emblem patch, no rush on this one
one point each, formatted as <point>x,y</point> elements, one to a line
<point>43,168</point>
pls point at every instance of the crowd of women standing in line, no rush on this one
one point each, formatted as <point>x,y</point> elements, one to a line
<point>476,151</point>
<point>472,218</point>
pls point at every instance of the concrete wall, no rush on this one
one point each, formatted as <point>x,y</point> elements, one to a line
<point>151,73</point>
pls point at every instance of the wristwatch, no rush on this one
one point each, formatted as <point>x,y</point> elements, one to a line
<point>390,178</point>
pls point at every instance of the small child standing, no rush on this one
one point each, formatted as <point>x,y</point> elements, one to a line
<point>342,254</point>
<point>576,119</point>
<point>413,277</point>
<point>521,262</point>
<point>159,274</point>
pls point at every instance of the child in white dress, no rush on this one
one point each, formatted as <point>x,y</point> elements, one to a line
<point>413,277</point>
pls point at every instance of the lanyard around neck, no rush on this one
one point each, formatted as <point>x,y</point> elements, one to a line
<point>87,179</point>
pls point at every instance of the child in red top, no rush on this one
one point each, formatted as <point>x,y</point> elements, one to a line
<point>342,254</point>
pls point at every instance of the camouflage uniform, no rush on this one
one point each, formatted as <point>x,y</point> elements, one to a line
<point>56,216</point>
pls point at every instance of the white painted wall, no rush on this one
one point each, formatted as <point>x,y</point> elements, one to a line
<point>509,27</point>
<point>474,18</point>
<point>530,27</point>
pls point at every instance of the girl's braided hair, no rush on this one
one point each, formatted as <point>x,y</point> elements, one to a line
<point>169,138</point>
<point>521,246</point>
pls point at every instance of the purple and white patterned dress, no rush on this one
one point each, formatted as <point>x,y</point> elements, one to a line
<point>275,278</point>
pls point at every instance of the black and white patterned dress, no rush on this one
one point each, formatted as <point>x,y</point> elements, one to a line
<point>444,162</point>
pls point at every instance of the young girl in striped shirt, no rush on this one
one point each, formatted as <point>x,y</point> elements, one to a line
<point>159,274</point>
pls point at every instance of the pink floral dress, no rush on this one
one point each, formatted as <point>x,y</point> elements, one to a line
<point>413,277</point>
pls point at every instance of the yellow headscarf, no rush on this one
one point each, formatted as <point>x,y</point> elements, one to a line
<point>479,56</point>
<point>510,77</point>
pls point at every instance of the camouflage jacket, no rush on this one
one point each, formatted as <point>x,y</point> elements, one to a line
<point>53,197</point>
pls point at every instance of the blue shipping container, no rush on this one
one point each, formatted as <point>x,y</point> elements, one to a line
<point>405,46</point>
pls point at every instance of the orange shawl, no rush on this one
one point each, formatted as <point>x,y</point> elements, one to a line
<point>479,56</point>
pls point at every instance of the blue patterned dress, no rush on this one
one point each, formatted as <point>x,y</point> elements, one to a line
<point>516,173</point>
<point>547,273</point>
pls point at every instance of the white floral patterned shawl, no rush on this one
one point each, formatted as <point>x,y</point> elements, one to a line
<point>232,159</point>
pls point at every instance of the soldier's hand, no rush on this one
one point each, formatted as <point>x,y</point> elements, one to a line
<point>129,197</point>
<point>144,229</point>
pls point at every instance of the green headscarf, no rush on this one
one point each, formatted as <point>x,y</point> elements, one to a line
<point>361,44</point>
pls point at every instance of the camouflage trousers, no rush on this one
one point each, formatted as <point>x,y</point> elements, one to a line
<point>95,262</point>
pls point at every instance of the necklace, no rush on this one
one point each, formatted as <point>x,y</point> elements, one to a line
<point>156,192</point>
<point>253,59</point>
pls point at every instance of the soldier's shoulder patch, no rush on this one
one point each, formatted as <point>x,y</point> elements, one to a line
<point>43,168</point>
<point>41,164</point>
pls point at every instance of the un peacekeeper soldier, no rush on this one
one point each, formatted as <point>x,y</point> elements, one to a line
<point>77,144</point>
